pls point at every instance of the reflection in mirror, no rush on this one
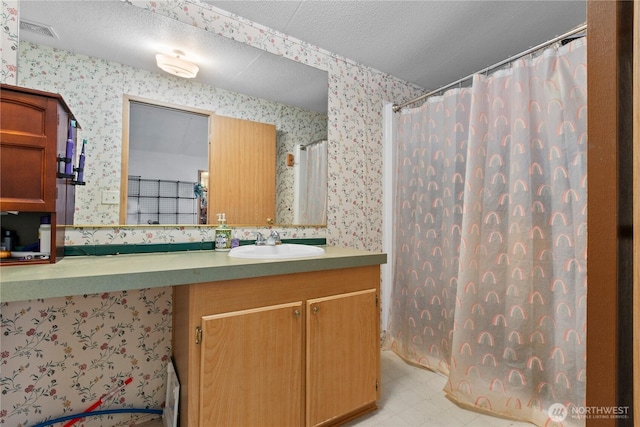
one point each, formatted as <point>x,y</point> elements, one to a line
<point>168,152</point>
<point>311,183</point>
<point>110,51</point>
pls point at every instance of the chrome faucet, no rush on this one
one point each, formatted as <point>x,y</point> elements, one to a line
<point>274,238</point>
<point>260,240</point>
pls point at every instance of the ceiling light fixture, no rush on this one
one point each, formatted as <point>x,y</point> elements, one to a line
<point>176,65</point>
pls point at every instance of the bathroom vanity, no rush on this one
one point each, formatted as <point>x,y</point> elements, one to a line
<point>255,342</point>
<point>286,350</point>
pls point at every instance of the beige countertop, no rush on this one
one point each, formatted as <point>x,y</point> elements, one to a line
<point>79,275</point>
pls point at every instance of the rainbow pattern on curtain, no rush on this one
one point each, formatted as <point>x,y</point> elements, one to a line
<point>490,266</point>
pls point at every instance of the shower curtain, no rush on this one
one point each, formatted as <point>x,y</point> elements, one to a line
<point>313,194</point>
<point>490,264</point>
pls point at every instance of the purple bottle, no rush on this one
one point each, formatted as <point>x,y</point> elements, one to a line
<point>68,165</point>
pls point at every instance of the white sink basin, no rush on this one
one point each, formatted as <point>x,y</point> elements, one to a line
<point>283,251</point>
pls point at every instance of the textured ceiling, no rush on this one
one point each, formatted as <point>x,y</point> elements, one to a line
<point>429,43</point>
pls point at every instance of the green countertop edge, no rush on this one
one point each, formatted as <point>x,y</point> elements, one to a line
<point>144,248</point>
<point>83,275</point>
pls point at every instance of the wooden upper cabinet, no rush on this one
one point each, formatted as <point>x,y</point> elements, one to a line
<point>34,129</point>
<point>28,143</point>
<point>242,170</point>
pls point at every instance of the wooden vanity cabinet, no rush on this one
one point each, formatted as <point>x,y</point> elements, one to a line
<point>342,363</point>
<point>291,350</point>
<point>251,373</point>
<point>33,132</point>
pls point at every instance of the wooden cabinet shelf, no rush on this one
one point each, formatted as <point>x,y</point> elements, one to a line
<point>33,134</point>
<point>293,350</point>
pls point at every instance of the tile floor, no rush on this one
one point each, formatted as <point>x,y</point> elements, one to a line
<point>413,397</point>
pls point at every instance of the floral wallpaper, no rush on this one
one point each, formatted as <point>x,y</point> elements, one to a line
<point>121,235</point>
<point>9,65</point>
<point>303,127</point>
<point>58,355</point>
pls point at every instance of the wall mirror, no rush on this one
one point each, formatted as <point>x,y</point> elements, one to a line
<point>246,82</point>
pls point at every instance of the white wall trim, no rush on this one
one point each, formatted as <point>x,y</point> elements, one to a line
<point>388,154</point>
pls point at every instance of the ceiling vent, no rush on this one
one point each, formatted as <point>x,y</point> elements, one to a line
<point>41,29</point>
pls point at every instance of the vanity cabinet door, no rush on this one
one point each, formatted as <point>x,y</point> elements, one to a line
<point>251,369</point>
<point>343,348</point>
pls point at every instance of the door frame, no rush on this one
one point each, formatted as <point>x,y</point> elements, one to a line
<point>636,212</point>
<point>126,123</point>
<point>610,212</point>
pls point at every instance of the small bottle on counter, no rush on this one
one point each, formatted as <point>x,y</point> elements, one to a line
<point>223,234</point>
<point>235,242</point>
<point>7,240</point>
<point>44,234</point>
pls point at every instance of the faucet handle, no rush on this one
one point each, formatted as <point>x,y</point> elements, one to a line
<point>275,236</point>
<point>260,240</point>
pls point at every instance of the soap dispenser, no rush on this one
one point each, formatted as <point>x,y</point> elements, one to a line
<point>223,234</point>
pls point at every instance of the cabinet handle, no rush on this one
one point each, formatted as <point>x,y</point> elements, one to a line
<point>296,313</point>
<point>315,309</point>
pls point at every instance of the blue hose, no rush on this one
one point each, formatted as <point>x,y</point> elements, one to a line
<point>95,413</point>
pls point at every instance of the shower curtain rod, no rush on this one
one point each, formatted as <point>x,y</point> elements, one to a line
<point>304,147</point>
<point>576,30</point>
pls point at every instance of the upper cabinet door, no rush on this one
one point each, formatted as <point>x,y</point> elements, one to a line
<point>343,348</point>
<point>244,188</point>
<point>28,139</point>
